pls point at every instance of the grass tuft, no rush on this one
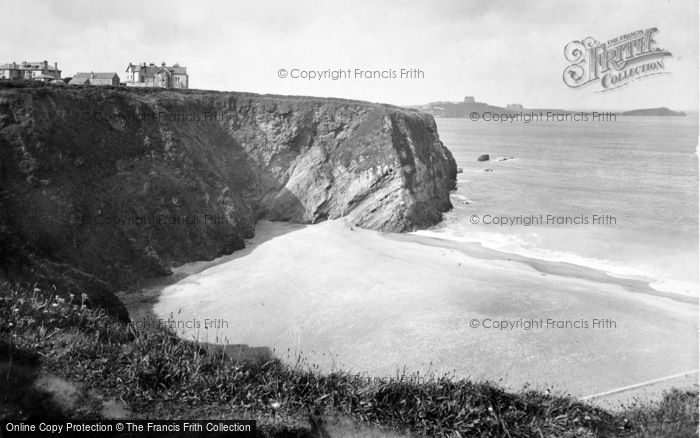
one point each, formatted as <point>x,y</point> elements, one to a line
<point>158,375</point>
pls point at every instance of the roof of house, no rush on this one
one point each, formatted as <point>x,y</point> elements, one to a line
<point>78,79</point>
<point>28,66</point>
<point>149,71</point>
<point>97,75</point>
<point>36,65</point>
<point>178,70</point>
<point>82,78</point>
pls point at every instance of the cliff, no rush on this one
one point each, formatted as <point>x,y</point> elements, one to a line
<point>102,187</point>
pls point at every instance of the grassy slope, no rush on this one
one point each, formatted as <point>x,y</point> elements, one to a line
<point>158,375</point>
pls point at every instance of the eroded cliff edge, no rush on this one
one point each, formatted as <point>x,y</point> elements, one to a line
<point>101,187</point>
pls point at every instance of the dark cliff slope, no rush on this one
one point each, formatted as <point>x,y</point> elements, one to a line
<point>101,187</point>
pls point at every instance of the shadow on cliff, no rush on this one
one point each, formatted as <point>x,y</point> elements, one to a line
<point>141,298</point>
<point>62,177</point>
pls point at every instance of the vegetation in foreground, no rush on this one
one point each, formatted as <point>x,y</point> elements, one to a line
<point>94,362</point>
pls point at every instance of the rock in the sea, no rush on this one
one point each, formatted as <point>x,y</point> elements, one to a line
<point>484,157</point>
<point>488,170</point>
<point>101,187</point>
<point>459,170</point>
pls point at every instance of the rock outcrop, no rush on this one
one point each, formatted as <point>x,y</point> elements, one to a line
<point>101,187</point>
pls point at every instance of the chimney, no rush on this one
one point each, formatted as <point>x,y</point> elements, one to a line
<point>46,64</point>
<point>55,66</point>
<point>92,75</point>
<point>162,64</point>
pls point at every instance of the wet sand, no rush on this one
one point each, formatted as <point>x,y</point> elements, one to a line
<point>374,303</point>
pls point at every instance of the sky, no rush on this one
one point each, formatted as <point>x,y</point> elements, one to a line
<point>498,51</point>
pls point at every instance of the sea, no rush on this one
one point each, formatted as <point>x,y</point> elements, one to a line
<point>619,196</point>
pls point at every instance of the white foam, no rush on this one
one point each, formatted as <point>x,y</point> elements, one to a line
<point>528,248</point>
<point>676,286</point>
<point>460,197</point>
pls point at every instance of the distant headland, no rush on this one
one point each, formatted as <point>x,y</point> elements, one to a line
<point>470,105</point>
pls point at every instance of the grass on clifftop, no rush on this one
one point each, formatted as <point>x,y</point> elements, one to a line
<point>98,361</point>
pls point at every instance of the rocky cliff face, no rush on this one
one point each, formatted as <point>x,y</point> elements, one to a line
<point>102,187</point>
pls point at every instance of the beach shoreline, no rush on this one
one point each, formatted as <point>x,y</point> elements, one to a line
<point>336,295</point>
<point>565,269</point>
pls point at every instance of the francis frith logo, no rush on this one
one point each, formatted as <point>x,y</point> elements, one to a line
<point>615,63</point>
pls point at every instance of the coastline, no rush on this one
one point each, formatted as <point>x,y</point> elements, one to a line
<point>334,295</point>
<point>564,269</point>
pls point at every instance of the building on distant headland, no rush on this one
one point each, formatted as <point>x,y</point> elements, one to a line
<point>38,71</point>
<point>93,78</point>
<point>514,106</point>
<point>469,99</point>
<point>151,75</point>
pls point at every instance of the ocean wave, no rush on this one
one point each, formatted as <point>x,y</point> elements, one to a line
<point>528,247</point>
<point>460,197</point>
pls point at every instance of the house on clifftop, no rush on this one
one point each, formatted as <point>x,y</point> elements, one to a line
<point>36,71</point>
<point>93,78</point>
<point>151,75</point>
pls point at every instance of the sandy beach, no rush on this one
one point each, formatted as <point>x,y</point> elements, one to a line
<point>374,303</point>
